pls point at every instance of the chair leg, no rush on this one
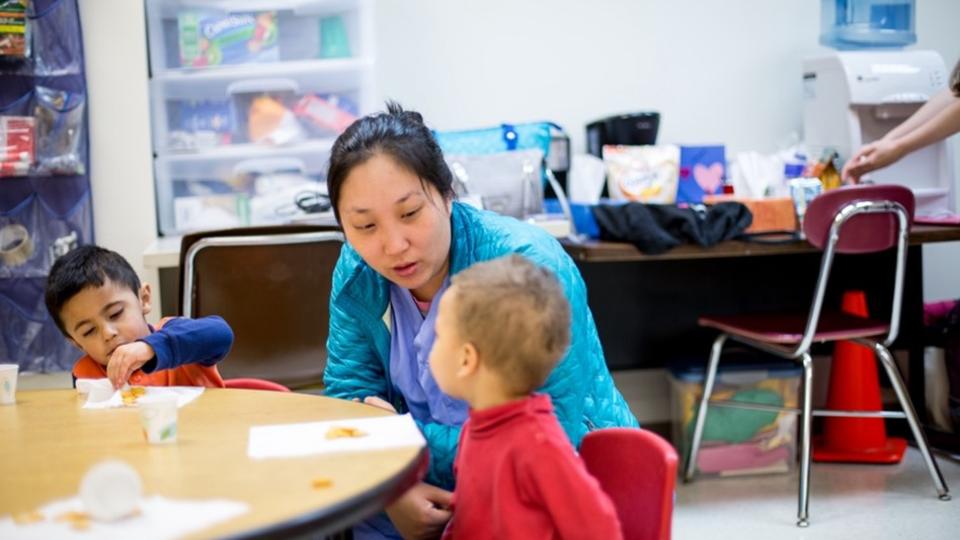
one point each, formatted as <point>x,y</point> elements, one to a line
<point>806,416</point>
<point>701,418</point>
<point>888,364</point>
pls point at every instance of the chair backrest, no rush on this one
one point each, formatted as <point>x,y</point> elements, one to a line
<point>865,219</point>
<point>638,470</point>
<point>255,384</point>
<point>272,285</point>
<point>862,233</point>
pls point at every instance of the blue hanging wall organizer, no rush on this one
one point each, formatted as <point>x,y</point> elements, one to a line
<point>45,203</point>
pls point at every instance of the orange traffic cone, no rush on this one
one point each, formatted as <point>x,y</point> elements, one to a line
<point>854,386</point>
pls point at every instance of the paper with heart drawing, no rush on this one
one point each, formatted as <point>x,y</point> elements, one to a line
<point>702,173</point>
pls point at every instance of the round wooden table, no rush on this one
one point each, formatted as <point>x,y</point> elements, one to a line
<point>48,442</point>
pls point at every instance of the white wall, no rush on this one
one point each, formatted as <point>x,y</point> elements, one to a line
<point>121,162</point>
<point>718,72</point>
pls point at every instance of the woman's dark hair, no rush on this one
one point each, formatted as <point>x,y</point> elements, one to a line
<point>955,79</point>
<point>397,133</point>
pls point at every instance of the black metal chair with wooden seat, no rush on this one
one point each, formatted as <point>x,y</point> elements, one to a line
<point>272,285</point>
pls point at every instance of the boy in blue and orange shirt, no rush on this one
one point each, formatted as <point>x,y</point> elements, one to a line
<point>502,325</point>
<point>97,301</point>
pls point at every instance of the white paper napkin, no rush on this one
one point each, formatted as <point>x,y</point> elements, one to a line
<point>184,395</point>
<point>292,440</point>
<point>160,518</point>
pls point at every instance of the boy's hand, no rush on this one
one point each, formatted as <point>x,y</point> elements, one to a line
<point>422,512</point>
<point>126,359</point>
<point>379,403</point>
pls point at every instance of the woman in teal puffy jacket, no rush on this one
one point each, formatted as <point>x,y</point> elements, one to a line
<point>392,193</point>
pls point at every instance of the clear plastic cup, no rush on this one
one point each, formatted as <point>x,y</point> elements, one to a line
<point>802,191</point>
<point>158,416</point>
<point>8,383</point>
<point>111,490</point>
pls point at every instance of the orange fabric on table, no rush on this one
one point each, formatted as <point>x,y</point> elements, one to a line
<point>770,214</point>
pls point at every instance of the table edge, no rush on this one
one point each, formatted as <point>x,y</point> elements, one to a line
<point>333,518</point>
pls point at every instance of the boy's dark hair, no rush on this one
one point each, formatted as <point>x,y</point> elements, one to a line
<point>516,314</point>
<point>400,134</point>
<point>85,266</point>
<point>955,79</point>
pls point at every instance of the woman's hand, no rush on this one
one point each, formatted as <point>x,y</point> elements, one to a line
<point>379,403</point>
<point>871,157</point>
<point>126,359</point>
<point>422,512</point>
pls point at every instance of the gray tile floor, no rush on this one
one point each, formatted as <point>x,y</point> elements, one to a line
<point>846,502</point>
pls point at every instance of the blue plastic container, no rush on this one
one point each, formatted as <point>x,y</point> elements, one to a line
<point>583,219</point>
<point>867,24</point>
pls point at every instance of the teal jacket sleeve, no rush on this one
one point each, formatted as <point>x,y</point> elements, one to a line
<point>353,370</point>
<point>442,441</point>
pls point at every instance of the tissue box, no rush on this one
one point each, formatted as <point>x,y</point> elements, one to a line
<point>771,214</point>
<point>738,441</point>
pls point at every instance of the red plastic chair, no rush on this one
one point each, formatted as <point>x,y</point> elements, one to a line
<point>856,219</point>
<point>637,469</point>
<point>255,384</point>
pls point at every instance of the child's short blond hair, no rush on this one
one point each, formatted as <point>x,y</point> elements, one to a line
<point>516,315</point>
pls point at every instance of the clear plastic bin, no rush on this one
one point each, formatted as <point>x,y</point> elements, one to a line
<point>867,24</point>
<point>187,35</point>
<point>194,113</point>
<point>738,441</point>
<point>246,185</point>
<point>259,81</point>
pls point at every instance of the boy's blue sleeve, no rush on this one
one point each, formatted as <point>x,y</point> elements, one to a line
<point>189,341</point>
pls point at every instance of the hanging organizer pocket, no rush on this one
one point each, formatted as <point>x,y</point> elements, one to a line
<point>61,147</point>
<point>57,49</point>
<point>42,133</point>
<point>28,335</point>
<point>16,98</point>
<point>17,131</point>
<point>19,229</point>
<point>43,226</point>
<point>66,216</point>
<point>14,37</point>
